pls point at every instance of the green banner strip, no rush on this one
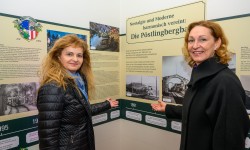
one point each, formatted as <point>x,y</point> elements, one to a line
<point>23,131</point>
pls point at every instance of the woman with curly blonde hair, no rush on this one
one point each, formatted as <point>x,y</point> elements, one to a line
<point>53,69</point>
<point>65,114</point>
<point>213,113</point>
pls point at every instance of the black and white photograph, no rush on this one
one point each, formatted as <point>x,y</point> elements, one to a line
<point>245,81</point>
<point>18,97</point>
<point>176,74</point>
<point>175,77</point>
<point>232,63</point>
<point>145,87</point>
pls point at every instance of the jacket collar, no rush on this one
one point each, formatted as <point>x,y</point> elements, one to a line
<point>207,68</point>
<point>80,98</point>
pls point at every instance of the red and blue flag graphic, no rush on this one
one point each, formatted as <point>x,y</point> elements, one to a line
<point>28,27</point>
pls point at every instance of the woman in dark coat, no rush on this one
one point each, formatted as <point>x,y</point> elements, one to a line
<point>213,113</point>
<point>65,114</point>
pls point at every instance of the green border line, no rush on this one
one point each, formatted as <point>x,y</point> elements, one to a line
<point>47,22</point>
<point>231,17</point>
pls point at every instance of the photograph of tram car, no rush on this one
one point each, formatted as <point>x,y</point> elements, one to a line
<point>18,98</point>
<point>145,87</point>
<point>245,81</point>
<point>176,75</point>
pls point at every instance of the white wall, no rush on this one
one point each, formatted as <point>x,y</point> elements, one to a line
<point>108,135</point>
<point>111,12</point>
<point>136,136</point>
<point>69,12</point>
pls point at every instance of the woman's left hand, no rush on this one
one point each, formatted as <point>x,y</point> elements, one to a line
<point>113,102</point>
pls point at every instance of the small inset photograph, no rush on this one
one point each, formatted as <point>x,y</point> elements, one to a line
<point>18,97</point>
<point>145,87</point>
<point>245,81</point>
<point>104,37</point>
<point>52,36</point>
<point>175,77</point>
<point>232,63</point>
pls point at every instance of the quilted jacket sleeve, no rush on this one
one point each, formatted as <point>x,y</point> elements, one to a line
<point>100,107</point>
<point>50,107</point>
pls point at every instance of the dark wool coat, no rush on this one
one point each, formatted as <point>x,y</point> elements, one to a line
<point>65,119</point>
<point>213,114</point>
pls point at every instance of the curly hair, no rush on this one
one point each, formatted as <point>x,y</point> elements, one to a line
<point>53,70</point>
<point>217,32</point>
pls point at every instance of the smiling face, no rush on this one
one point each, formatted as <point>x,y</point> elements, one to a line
<point>72,58</point>
<point>201,44</point>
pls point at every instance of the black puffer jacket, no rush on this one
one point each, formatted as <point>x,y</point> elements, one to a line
<point>65,119</point>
